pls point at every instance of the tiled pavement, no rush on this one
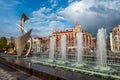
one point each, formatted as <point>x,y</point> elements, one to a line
<point>8,73</point>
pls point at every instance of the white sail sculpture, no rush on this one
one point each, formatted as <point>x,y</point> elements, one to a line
<point>21,41</point>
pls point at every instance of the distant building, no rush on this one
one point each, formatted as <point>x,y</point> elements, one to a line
<point>93,45</point>
<point>36,45</point>
<point>71,37</point>
<point>115,39</point>
<point>46,43</point>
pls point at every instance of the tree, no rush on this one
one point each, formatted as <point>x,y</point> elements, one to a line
<point>3,42</point>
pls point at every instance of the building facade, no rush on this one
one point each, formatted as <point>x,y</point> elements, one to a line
<point>71,37</point>
<point>115,39</point>
<point>93,45</point>
<point>36,44</point>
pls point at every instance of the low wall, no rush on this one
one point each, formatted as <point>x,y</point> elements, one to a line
<point>48,72</point>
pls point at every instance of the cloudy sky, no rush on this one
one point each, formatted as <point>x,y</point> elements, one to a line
<point>46,15</point>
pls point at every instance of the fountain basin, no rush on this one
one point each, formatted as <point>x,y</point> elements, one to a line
<point>61,71</point>
<point>50,60</point>
<point>104,68</point>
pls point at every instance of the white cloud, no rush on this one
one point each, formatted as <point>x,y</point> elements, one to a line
<point>45,28</point>
<point>76,9</point>
<point>92,13</point>
<point>54,16</point>
<point>54,3</point>
<point>60,18</point>
<point>41,12</point>
<point>56,25</point>
<point>44,21</point>
<point>45,13</point>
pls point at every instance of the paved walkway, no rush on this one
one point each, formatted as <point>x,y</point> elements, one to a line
<point>8,73</point>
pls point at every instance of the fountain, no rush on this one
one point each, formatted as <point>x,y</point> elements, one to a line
<point>63,49</point>
<point>79,49</point>
<point>101,50</point>
<point>52,49</point>
<point>79,39</point>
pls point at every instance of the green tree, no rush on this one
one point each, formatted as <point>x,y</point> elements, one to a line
<point>3,42</point>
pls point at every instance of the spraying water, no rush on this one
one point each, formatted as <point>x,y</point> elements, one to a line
<point>101,52</point>
<point>101,47</point>
<point>63,47</point>
<point>79,37</point>
<point>52,47</point>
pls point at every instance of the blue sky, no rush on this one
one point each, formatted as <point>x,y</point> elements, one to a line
<point>46,15</point>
